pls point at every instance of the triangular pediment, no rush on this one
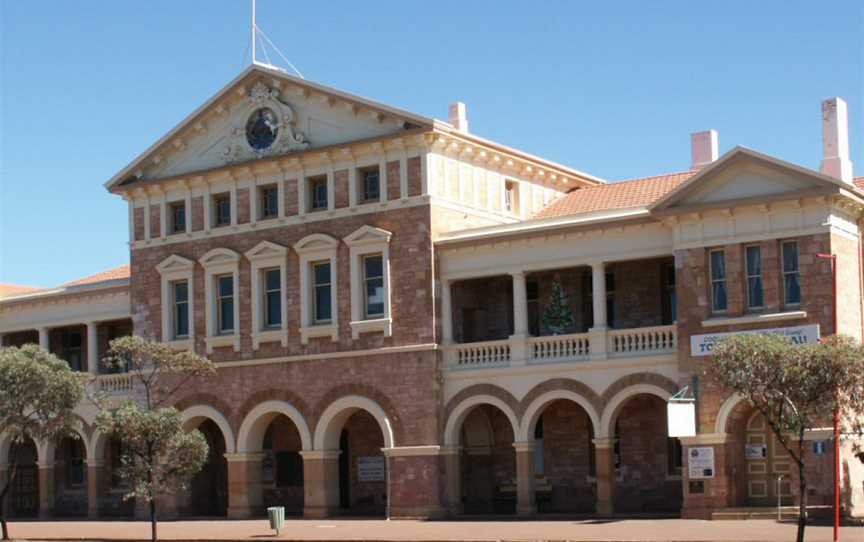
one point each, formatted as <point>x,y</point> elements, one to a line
<point>266,249</point>
<point>368,234</point>
<point>316,242</point>
<point>175,263</point>
<point>219,256</point>
<point>292,115</point>
<point>744,175</point>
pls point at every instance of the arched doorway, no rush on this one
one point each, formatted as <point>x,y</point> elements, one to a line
<point>351,436</point>
<point>113,488</point>
<point>647,462</point>
<point>282,466</point>
<point>564,455</point>
<point>488,462</point>
<point>70,478</point>
<point>24,492</point>
<point>208,490</point>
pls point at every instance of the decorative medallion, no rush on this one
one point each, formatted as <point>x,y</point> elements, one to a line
<point>267,127</point>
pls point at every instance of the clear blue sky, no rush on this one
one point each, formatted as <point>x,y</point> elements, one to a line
<point>611,88</point>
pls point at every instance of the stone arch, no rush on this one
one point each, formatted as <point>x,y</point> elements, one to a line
<point>461,410</point>
<point>255,424</point>
<point>270,394</point>
<point>361,390</point>
<point>331,421</point>
<point>482,389</point>
<point>48,449</point>
<point>194,415</point>
<point>726,411</point>
<point>535,408</point>
<point>614,404</point>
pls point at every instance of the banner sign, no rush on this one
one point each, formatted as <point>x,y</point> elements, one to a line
<point>681,418</point>
<point>701,345</point>
<point>700,462</point>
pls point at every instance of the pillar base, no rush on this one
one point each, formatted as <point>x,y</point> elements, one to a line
<point>605,508</point>
<point>418,512</point>
<point>526,510</point>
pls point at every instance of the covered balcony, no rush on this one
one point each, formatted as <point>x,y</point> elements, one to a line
<point>591,312</point>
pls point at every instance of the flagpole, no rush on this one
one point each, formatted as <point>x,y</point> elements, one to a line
<point>253,32</point>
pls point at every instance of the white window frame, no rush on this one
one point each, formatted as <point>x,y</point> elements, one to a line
<point>314,248</point>
<point>748,276</point>
<point>368,240</point>
<point>217,262</point>
<point>172,269</point>
<point>267,255</point>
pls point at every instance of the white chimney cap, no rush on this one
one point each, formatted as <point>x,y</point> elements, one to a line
<point>458,116</point>
<point>703,148</point>
<point>835,140</point>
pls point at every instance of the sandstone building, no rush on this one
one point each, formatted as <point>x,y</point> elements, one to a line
<point>374,287</point>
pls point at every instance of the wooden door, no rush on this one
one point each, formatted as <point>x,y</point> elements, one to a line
<point>766,461</point>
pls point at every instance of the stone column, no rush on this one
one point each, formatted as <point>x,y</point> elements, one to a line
<point>525,498</point>
<point>95,469</point>
<point>4,469</point>
<point>600,328</point>
<point>518,341</point>
<point>446,313</point>
<point>604,453</point>
<point>44,338</point>
<point>320,483</point>
<point>92,348</point>
<point>452,457</point>
<point>46,489</point>
<point>244,484</point>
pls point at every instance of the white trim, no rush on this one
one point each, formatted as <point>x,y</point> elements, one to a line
<point>383,351</point>
<point>267,255</point>
<point>725,411</point>
<point>538,405</point>
<point>333,419</point>
<point>412,451</point>
<point>254,425</point>
<point>454,423</point>
<point>313,248</point>
<point>220,261</point>
<point>198,413</point>
<point>615,403</point>
<point>171,269</point>
<point>754,318</point>
<point>363,241</point>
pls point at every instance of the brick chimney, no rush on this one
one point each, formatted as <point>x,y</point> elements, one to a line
<point>703,148</point>
<point>458,116</point>
<point>835,140</point>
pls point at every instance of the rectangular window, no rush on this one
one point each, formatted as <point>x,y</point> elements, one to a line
<point>322,292</point>
<point>791,274</point>
<point>718,281</point>
<point>71,348</point>
<point>755,290</point>
<point>269,202</point>
<point>222,207</point>
<point>178,217</point>
<point>370,184</point>
<point>225,303</point>
<point>511,197</point>
<point>180,293</point>
<point>674,456</point>
<point>670,298</point>
<point>272,298</point>
<point>373,280</point>
<point>318,193</point>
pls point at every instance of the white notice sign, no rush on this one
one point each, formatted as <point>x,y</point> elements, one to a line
<point>755,451</point>
<point>701,345</point>
<point>370,469</point>
<point>700,463</point>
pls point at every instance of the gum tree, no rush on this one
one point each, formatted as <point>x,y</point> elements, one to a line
<point>795,388</point>
<point>38,393</point>
<point>157,455</point>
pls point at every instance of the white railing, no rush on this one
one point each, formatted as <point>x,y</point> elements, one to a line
<point>116,384</point>
<point>477,355</point>
<point>556,348</point>
<point>643,340</point>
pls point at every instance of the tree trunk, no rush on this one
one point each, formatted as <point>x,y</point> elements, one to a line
<point>12,471</point>
<point>802,490</point>
<point>153,519</point>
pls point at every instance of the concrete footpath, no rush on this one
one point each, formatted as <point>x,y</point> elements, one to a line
<point>594,530</point>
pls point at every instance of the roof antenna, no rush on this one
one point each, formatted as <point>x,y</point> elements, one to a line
<point>258,33</point>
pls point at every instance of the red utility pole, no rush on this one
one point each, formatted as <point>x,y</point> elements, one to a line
<point>833,258</point>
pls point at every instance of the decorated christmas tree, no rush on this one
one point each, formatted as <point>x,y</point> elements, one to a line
<point>557,315</point>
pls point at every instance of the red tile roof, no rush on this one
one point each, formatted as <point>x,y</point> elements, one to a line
<point>615,195</point>
<point>8,290</point>
<point>858,182</point>
<point>121,272</point>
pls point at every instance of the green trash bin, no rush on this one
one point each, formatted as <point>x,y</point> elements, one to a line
<point>277,518</point>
